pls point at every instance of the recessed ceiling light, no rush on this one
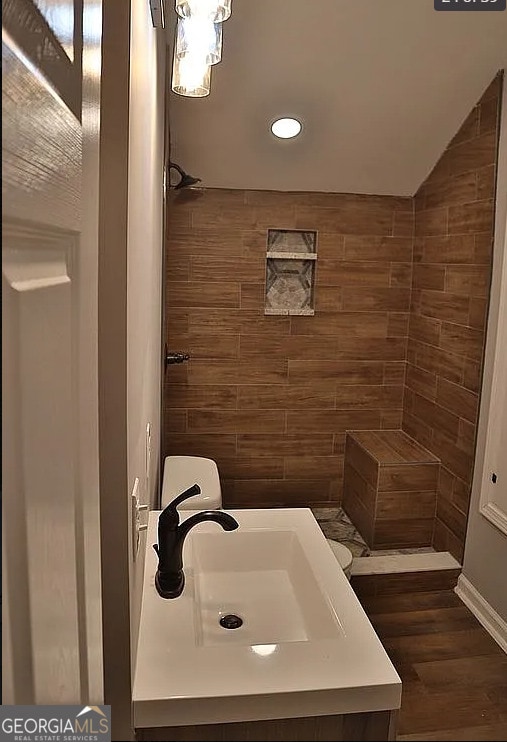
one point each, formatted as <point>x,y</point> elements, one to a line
<point>286,128</point>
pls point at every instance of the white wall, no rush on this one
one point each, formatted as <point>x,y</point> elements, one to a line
<point>144,268</point>
<point>486,546</point>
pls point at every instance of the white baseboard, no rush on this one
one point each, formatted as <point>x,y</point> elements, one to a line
<point>484,613</point>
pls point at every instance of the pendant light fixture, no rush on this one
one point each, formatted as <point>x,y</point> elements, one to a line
<point>199,34</point>
<point>217,10</point>
<point>191,76</point>
<point>198,44</point>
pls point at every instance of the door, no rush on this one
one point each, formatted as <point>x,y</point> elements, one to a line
<point>51,592</point>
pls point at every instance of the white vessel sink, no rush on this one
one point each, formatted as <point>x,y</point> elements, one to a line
<point>305,646</point>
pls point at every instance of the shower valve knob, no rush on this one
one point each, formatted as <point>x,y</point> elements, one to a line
<point>171,358</point>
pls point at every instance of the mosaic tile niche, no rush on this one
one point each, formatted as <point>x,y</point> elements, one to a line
<point>290,272</point>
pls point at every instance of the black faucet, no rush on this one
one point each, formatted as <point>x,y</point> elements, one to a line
<point>170,578</point>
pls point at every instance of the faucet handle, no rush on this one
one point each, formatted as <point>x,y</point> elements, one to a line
<point>170,518</point>
<point>191,492</point>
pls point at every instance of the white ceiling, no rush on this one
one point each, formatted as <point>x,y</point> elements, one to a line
<point>381,86</point>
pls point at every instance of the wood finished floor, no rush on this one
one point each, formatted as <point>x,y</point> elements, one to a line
<point>454,675</point>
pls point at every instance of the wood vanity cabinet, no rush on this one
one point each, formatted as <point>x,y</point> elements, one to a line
<point>375,726</point>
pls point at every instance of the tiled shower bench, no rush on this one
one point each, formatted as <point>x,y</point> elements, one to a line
<point>389,489</point>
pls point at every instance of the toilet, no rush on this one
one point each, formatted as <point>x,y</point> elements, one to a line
<point>181,472</point>
<point>343,555</point>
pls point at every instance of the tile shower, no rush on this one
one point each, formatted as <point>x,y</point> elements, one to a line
<point>400,291</point>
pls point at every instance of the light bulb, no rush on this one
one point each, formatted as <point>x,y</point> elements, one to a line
<point>198,35</point>
<point>191,76</point>
<point>216,10</point>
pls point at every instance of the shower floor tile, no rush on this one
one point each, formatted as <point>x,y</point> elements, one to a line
<point>336,524</point>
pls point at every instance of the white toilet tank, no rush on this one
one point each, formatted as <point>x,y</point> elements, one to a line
<point>181,472</point>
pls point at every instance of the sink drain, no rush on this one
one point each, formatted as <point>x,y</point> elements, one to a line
<point>231,621</point>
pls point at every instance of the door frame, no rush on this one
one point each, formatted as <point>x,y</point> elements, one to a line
<point>112,363</point>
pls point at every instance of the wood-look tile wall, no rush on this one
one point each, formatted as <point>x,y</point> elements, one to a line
<point>270,398</point>
<point>451,278</point>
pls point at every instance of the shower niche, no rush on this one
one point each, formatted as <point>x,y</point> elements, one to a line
<point>290,272</point>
